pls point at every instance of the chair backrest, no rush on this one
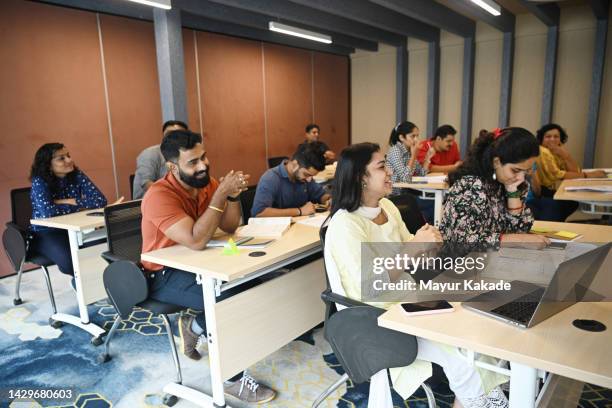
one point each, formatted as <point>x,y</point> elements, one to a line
<point>132,186</point>
<point>409,210</point>
<point>123,229</point>
<point>362,347</point>
<point>21,207</point>
<point>275,161</point>
<point>246,202</point>
<point>125,285</point>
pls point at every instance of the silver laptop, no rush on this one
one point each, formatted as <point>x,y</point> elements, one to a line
<point>527,304</point>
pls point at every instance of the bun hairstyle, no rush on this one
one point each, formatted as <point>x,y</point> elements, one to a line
<point>402,128</point>
<point>510,145</point>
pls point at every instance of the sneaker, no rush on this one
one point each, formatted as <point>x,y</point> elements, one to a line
<point>189,339</point>
<point>248,390</point>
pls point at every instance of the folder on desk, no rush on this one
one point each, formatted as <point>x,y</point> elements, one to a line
<point>266,227</point>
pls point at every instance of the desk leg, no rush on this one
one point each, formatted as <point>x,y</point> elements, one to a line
<point>208,291</point>
<point>84,323</point>
<point>523,382</point>
<point>438,197</point>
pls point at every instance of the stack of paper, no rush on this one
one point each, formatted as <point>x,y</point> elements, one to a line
<point>314,220</point>
<point>265,227</point>
<point>603,188</point>
<point>430,179</point>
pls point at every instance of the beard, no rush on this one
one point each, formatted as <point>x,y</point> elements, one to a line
<point>296,176</point>
<point>195,181</point>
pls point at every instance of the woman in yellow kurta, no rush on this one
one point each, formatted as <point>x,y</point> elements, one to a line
<point>554,165</point>
<point>359,214</point>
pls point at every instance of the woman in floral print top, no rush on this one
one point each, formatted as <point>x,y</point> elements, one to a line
<point>485,206</point>
<point>58,188</point>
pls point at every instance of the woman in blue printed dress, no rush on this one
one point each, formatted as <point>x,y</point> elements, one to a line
<point>58,188</point>
<point>485,205</point>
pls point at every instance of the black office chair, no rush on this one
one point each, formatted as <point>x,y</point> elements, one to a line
<point>16,240</point>
<point>132,186</point>
<point>275,161</point>
<point>246,203</point>
<point>362,347</point>
<point>409,209</point>
<point>124,279</point>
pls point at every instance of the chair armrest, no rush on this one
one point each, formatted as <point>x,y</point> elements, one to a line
<point>110,257</point>
<point>329,296</point>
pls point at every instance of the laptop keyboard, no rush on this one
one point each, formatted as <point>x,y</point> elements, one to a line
<point>521,309</point>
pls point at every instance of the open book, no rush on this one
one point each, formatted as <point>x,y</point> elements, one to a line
<point>265,227</point>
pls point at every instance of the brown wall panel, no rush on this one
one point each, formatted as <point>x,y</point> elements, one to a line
<point>52,90</point>
<point>191,81</point>
<point>331,99</point>
<point>288,97</point>
<point>133,91</point>
<point>232,104</point>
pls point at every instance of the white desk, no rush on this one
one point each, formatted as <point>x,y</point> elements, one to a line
<point>87,263</point>
<point>553,345</point>
<point>590,202</point>
<point>248,326</point>
<point>437,189</point>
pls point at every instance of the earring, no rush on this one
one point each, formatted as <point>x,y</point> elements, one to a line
<point>494,175</point>
<point>363,185</point>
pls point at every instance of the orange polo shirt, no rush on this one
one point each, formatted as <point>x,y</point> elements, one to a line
<point>166,203</point>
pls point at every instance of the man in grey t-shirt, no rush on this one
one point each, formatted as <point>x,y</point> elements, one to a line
<point>150,164</point>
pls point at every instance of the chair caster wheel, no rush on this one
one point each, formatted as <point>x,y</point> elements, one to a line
<point>56,324</point>
<point>17,302</point>
<point>96,341</point>
<point>103,358</point>
<point>170,400</point>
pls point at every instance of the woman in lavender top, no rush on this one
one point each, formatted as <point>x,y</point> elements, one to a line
<point>485,205</point>
<point>58,188</point>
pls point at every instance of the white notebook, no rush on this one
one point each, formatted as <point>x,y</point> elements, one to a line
<point>265,227</point>
<point>594,188</point>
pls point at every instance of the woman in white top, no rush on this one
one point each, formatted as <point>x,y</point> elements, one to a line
<point>360,213</point>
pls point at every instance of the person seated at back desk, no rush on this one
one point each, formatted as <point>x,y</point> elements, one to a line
<point>312,136</point>
<point>442,149</point>
<point>150,163</point>
<point>289,190</point>
<point>186,207</point>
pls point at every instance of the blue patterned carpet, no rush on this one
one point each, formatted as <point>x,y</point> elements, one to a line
<point>36,356</point>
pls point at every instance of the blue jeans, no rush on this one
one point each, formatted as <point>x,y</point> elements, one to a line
<point>546,208</point>
<point>53,243</point>
<point>180,288</point>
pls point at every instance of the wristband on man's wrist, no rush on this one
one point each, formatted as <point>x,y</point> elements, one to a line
<point>233,199</point>
<point>300,210</point>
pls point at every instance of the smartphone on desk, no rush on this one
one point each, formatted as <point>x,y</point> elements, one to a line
<point>424,308</point>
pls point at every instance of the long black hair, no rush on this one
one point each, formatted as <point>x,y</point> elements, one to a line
<point>41,166</point>
<point>511,145</point>
<point>347,186</point>
<point>402,128</point>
